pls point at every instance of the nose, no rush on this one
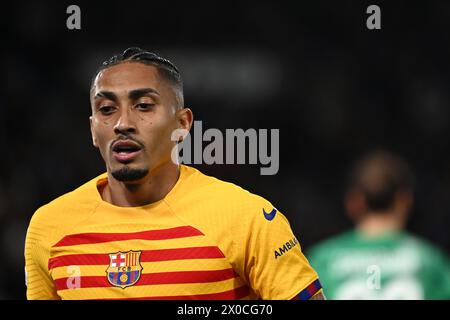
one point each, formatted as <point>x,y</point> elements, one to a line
<point>125,123</point>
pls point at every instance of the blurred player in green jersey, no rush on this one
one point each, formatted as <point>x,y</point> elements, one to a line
<point>378,259</point>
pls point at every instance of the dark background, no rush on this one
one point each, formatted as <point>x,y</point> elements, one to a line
<point>311,69</point>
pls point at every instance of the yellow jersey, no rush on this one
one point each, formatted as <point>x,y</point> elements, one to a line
<point>206,239</point>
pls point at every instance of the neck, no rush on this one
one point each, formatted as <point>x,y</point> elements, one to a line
<point>152,188</point>
<point>373,225</point>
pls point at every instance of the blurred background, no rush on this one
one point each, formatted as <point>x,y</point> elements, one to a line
<point>313,70</point>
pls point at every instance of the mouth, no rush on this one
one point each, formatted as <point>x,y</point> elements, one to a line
<point>125,150</point>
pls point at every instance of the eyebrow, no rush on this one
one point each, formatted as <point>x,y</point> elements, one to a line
<point>137,93</point>
<point>106,94</point>
<point>133,94</point>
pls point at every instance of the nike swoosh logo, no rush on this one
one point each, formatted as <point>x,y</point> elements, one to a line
<point>269,216</point>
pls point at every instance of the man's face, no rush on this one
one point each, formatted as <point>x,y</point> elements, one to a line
<point>134,112</point>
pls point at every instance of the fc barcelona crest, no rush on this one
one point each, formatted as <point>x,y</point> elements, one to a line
<point>124,268</point>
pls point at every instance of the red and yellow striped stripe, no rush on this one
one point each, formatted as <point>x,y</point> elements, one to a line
<point>164,277</point>
<point>146,256</point>
<point>156,278</point>
<point>92,238</point>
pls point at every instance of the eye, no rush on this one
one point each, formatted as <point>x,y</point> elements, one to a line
<point>106,109</point>
<point>145,106</point>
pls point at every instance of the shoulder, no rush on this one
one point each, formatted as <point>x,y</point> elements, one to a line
<point>67,209</point>
<point>323,249</point>
<point>426,249</point>
<point>216,207</point>
<point>227,195</point>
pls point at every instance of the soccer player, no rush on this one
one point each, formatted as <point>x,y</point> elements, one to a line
<point>149,228</point>
<point>379,260</point>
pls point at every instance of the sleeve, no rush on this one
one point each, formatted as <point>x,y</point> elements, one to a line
<point>37,252</point>
<point>273,263</point>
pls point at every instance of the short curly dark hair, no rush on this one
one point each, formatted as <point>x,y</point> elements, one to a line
<point>134,54</point>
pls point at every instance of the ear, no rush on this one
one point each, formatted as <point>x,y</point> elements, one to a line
<point>355,204</point>
<point>185,118</point>
<point>403,201</point>
<point>94,139</point>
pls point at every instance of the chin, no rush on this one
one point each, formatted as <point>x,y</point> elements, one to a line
<point>128,173</point>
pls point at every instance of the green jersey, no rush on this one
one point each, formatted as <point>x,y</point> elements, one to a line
<point>392,266</point>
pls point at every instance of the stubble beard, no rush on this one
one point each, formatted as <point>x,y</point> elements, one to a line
<point>125,173</point>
